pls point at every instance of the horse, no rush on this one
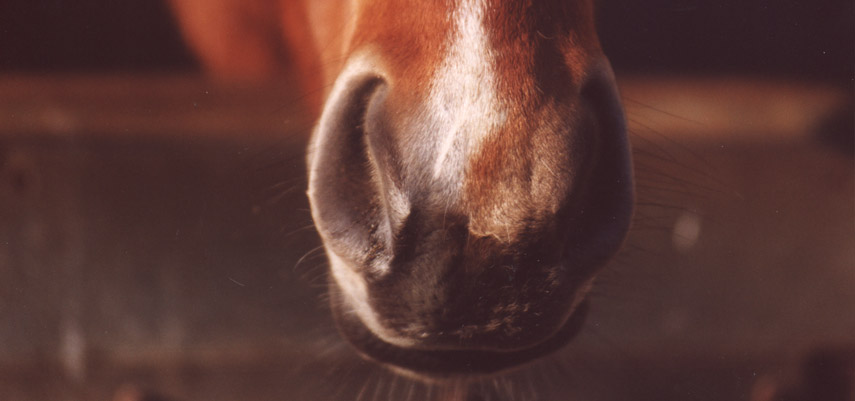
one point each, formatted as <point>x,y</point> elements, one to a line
<point>469,171</point>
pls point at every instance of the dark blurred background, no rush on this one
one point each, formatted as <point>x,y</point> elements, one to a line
<point>772,38</point>
<point>155,242</point>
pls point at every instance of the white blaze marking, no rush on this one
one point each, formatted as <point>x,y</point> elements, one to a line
<point>463,98</point>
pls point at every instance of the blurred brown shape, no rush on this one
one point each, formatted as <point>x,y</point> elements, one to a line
<point>233,39</point>
<point>251,40</point>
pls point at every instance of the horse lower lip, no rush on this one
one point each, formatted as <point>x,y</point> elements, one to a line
<point>443,364</point>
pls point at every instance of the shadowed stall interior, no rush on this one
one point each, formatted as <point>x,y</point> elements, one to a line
<point>156,242</point>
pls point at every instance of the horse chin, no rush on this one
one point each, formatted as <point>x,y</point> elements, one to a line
<point>442,364</point>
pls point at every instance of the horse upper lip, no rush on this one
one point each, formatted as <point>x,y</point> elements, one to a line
<point>443,363</point>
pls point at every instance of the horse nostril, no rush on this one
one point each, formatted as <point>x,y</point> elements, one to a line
<point>609,197</point>
<point>343,188</point>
